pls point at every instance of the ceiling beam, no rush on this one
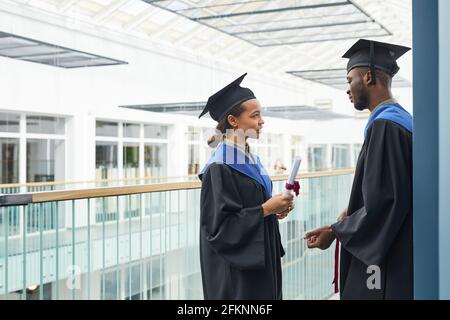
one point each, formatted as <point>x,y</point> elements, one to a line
<point>140,18</point>
<point>223,36</point>
<point>67,4</point>
<point>169,25</point>
<point>192,34</point>
<point>109,10</point>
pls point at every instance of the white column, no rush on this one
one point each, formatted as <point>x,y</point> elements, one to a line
<point>22,164</point>
<point>23,150</point>
<point>303,150</point>
<point>329,156</point>
<point>177,150</point>
<point>89,128</point>
<point>72,171</point>
<point>120,152</point>
<point>141,152</point>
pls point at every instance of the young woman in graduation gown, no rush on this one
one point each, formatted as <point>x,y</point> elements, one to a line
<point>240,245</point>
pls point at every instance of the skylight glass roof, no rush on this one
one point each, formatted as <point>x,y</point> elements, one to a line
<point>17,47</point>
<point>267,23</point>
<point>234,27</point>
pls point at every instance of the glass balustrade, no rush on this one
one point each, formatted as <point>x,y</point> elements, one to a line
<point>145,245</point>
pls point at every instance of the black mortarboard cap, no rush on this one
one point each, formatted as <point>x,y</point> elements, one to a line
<point>220,103</point>
<point>375,55</point>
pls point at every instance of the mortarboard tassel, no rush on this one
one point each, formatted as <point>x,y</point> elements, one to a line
<point>372,64</point>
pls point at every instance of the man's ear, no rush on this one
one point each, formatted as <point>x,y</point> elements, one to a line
<point>367,78</point>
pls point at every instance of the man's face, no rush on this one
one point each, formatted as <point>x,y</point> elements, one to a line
<point>357,89</point>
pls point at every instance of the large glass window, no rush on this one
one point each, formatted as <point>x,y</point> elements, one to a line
<point>45,160</point>
<point>106,152</point>
<point>155,132</point>
<point>131,130</point>
<point>198,150</point>
<point>45,125</point>
<point>131,160</point>
<point>106,129</point>
<point>155,160</point>
<point>9,156</point>
<point>44,156</point>
<point>9,122</point>
<point>106,160</point>
<point>152,149</point>
<point>194,159</point>
<point>269,148</point>
<point>317,157</point>
<point>340,156</point>
<point>194,136</point>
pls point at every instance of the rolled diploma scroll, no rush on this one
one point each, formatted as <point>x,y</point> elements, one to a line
<point>293,174</point>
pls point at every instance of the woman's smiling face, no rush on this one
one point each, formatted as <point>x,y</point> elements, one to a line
<point>250,121</point>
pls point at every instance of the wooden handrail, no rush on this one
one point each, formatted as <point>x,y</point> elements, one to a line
<point>61,183</point>
<point>47,196</point>
<point>63,195</point>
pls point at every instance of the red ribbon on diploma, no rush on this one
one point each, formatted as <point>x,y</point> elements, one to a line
<point>294,186</point>
<point>336,267</point>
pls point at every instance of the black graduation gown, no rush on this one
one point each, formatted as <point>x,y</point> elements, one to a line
<point>378,230</point>
<point>240,249</point>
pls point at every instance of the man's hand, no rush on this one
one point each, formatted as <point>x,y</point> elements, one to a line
<point>321,238</point>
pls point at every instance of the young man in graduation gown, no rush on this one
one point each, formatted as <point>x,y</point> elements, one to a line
<point>375,233</point>
<point>240,244</point>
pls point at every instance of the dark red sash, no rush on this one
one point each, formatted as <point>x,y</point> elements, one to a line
<point>336,267</point>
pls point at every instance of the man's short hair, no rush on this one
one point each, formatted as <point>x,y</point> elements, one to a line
<point>383,77</point>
